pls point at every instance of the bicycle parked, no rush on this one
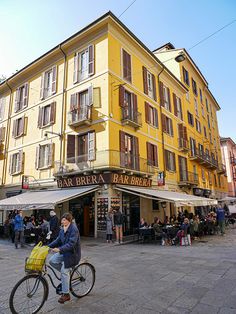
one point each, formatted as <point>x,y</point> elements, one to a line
<point>31,292</point>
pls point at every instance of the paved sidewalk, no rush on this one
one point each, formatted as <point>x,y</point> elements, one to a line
<point>143,278</point>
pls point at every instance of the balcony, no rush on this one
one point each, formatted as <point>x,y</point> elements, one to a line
<point>221,169</point>
<point>187,178</point>
<point>131,118</point>
<point>197,155</point>
<point>233,160</point>
<point>203,159</point>
<point>105,160</point>
<point>80,117</point>
<point>183,145</point>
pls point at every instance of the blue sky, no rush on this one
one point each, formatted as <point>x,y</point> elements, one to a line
<point>30,28</point>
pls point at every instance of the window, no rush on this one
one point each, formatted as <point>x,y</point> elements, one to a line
<point>209,178</point>
<point>81,148</point>
<point>2,107</point>
<point>190,119</point>
<point>16,163</point>
<point>19,127</point>
<point>151,115</point>
<point>200,93</point>
<point>44,156</point>
<point>177,107</point>
<point>208,121</point>
<point>210,137</point>
<point>192,146</point>
<point>152,155</point>
<point>205,132</point>
<point>149,84</point>
<point>47,115</point>
<point>165,96</point>
<point>2,134</point>
<point>187,96</point>
<point>185,76</point>
<point>84,64</point>
<point>203,112</point>
<point>167,125</point>
<point>183,168</point>
<point>21,100</point>
<point>129,151</point>
<point>128,102</point>
<point>155,205</point>
<point>215,180</point>
<point>203,175</point>
<point>207,108</point>
<point>80,106</point>
<point>170,160</point>
<point>198,125</point>
<point>126,66</point>
<point>48,83</point>
<point>194,87</point>
<point>196,107</point>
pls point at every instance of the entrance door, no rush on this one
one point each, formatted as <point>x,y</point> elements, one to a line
<point>131,210</point>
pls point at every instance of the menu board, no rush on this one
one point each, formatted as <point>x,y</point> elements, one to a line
<point>115,203</point>
<point>102,209</point>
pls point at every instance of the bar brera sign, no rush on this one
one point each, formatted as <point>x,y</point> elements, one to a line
<point>104,178</point>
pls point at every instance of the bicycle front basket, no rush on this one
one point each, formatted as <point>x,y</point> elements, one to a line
<point>34,264</point>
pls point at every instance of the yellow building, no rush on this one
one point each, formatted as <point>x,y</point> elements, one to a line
<point>102,118</point>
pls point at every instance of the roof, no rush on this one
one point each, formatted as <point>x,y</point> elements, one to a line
<point>227,139</point>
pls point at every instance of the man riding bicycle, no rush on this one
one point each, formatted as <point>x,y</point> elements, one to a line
<point>68,253</point>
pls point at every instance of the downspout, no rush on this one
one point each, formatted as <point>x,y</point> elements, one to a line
<point>7,136</point>
<point>162,133</point>
<point>62,110</point>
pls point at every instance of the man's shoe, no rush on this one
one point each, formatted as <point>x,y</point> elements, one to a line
<point>64,298</point>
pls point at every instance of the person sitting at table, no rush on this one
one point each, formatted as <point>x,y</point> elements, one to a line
<point>142,223</point>
<point>157,227</point>
<point>30,224</point>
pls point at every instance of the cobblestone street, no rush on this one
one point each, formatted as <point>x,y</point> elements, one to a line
<point>144,278</point>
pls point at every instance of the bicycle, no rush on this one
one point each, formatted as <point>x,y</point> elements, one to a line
<point>31,292</point>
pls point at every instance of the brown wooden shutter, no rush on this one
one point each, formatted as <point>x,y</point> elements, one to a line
<point>171,128</point>
<point>42,86</point>
<point>135,105</point>
<point>21,161</point>
<point>185,135</point>
<point>14,128</point>
<point>122,148</point>
<point>155,156</point>
<point>51,148</point>
<point>183,74</point>
<point>181,130</point>
<point>16,106</point>
<point>175,105</point>
<point>54,79</point>
<point>10,164</point>
<point>53,112</point>
<point>169,100</point>
<point>40,117</point>
<point>91,60</point>
<point>125,66</point>
<point>167,159</point>
<point>145,83</point>
<point>181,174</point>
<point>163,120</point>
<point>71,148</point>
<point>161,92</point>
<point>154,87</point>
<point>181,112</point>
<point>174,161</point>
<point>121,96</point>
<point>149,155</point>
<point>76,68</point>
<point>37,156</point>
<point>136,152</point>
<point>147,112</point>
<point>25,125</point>
<point>26,92</point>
<point>155,117</point>
<point>21,126</point>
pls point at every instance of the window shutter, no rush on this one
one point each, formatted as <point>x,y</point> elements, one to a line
<point>53,112</point>
<point>10,164</point>
<point>40,117</point>
<point>25,125</point>
<point>155,156</point>
<point>185,135</point>
<point>50,154</point>
<point>76,68</point>
<point>37,156</point>
<point>121,96</point>
<point>2,134</point>
<point>91,146</point>
<point>167,160</point>
<point>125,66</point>
<point>74,102</point>
<point>71,148</point>
<point>145,83</point>
<point>154,87</point>
<point>161,92</point>
<point>173,154</point>
<point>171,128</point>
<point>163,120</point>
<point>91,60</point>
<point>181,130</point>
<point>181,112</point>
<point>136,152</point>
<point>149,156</point>
<point>135,105</point>
<point>26,92</point>
<point>2,107</point>
<point>14,128</point>
<point>175,105</point>
<point>122,149</point>
<point>147,112</point>
<point>169,101</point>
<point>90,95</point>
<point>42,86</point>
<point>20,161</point>
<point>21,126</point>
<point>155,117</point>
<point>54,79</point>
<point>16,106</point>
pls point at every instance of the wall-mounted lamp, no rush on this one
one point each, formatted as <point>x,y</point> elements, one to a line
<point>180,58</point>
<point>54,133</point>
<point>163,205</point>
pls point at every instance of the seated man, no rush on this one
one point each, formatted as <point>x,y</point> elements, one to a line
<point>158,231</point>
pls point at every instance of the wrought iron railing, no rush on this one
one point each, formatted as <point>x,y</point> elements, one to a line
<point>187,177</point>
<point>131,117</point>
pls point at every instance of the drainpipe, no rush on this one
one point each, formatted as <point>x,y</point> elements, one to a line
<point>62,110</point>
<point>7,136</point>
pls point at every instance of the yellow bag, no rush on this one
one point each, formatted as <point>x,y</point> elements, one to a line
<point>37,258</point>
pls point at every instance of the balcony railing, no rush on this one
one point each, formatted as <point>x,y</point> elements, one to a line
<point>130,117</point>
<point>203,158</point>
<point>221,169</point>
<point>183,144</point>
<point>79,117</point>
<point>105,160</point>
<point>188,178</point>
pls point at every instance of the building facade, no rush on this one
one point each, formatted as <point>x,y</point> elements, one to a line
<point>228,151</point>
<point>101,110</point>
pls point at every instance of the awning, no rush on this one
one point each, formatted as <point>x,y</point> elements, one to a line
<point>228,199</point>
<point>179,199</point>
<point>46,199</point>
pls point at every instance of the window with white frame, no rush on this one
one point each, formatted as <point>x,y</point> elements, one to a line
<point>44,156</point>
<point>83,64</point>
<point>170,160</point>
<point>2,107</point>
<point>166,96</point>
<point>198,126</point>
<point>179,113</point>
<point>48,82</point>
<point>47,115</point>
<point>18,127</point>
<point>150,84</point>
<point>16,163</point>
<point>21,100</point>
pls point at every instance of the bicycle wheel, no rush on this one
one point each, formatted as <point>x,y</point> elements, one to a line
<point>28,295</point>
<point>82,280</point>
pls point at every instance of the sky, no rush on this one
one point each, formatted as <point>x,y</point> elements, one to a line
<point>31,28</point>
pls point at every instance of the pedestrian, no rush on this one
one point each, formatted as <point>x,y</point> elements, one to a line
<point>54,225</point>
<point>185,238</point>
<point>118,222</point>
<point>220,216</point>
<point>109,223</point>
<point>19,229</point>
<point>68,253</point>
